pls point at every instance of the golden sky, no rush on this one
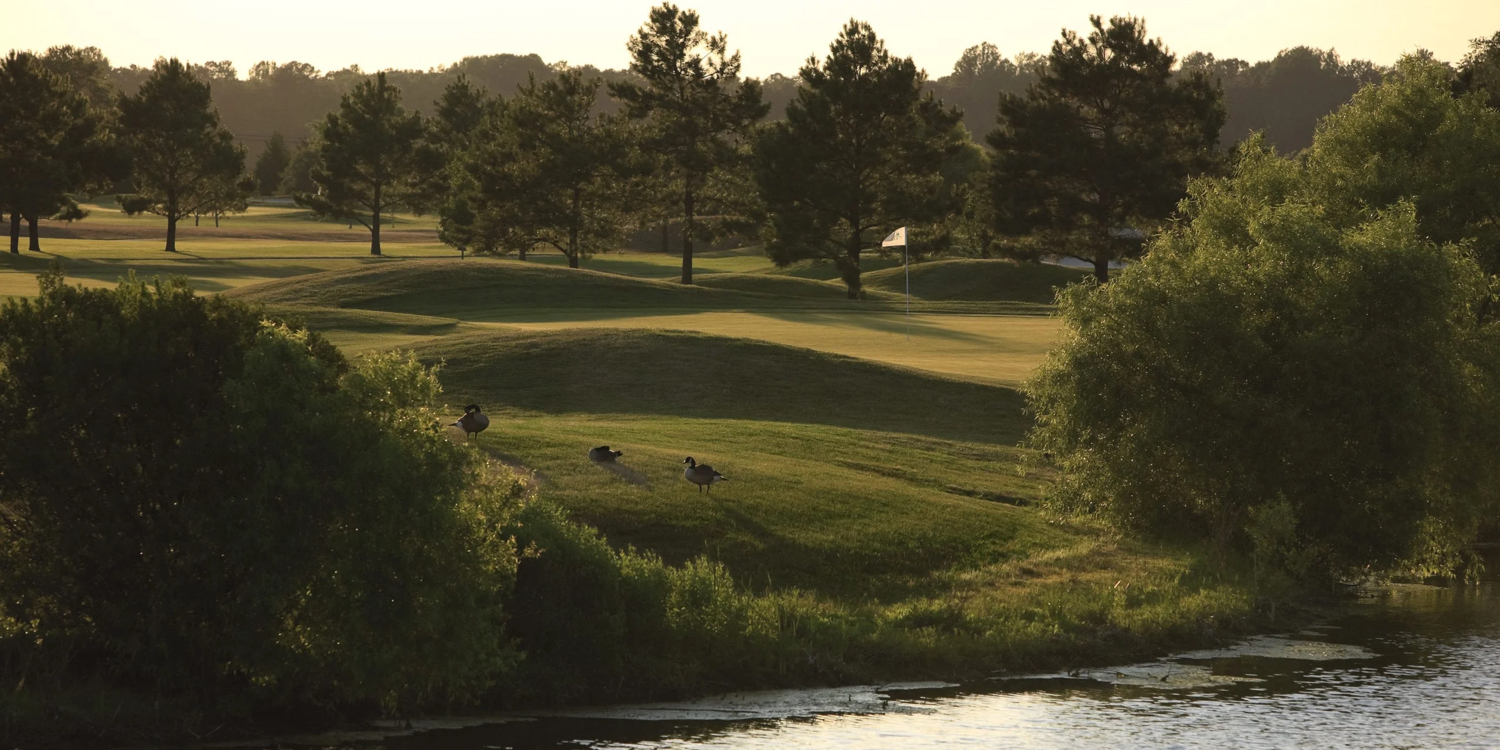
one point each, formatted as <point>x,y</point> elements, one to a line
<point>772,35</point>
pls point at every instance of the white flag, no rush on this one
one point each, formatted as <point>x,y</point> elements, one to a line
<point>897,237</point>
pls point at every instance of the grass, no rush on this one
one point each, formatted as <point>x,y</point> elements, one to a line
<point>875,469</point>
<point>977,280</point>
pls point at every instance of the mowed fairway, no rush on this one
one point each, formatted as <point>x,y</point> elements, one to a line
<point>998,348</point>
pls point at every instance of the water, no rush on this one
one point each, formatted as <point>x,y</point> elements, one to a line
<point>1418,668</point>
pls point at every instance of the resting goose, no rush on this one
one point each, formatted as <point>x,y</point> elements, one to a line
<point>473,421</point>
<point>603,454</point>
<point>702,475</point>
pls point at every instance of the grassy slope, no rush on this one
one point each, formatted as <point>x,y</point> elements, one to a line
<point>897,499</point>
<point>982,343</point>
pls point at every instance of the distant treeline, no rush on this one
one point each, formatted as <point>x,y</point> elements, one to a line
<point>1284,96</point>
<point>1088,151</point>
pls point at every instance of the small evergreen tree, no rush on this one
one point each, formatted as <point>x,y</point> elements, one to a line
<point>271,163</point>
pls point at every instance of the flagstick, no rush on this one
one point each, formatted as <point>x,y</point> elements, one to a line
<point>906,261</point>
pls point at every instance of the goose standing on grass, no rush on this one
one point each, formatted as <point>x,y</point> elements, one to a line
<point>702,475</point>
<point>604,455</point>
<point>473,421</point>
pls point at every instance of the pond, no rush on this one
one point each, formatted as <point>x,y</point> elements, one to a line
<point>1416,667</point>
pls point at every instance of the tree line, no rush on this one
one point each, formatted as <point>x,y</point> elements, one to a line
<point>1088,159</point>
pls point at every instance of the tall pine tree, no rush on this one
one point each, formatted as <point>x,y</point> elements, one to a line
<point>180,155</point>
<point>372,154</point>
<point>860,153</point>
<point>698,109</point>
<point>1099,150</point>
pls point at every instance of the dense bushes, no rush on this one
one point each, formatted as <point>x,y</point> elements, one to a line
<point>199,500</point>
<point>1299,368</point>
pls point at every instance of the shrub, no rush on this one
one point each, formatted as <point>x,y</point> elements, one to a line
<point>198,499</point>
<point>1263,353</point>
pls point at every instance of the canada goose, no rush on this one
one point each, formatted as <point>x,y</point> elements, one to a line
<point>702,475</point>
<point>473,421</point>
<point>603,454</point>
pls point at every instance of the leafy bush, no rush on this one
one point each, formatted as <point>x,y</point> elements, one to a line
<point>197,499</point>
<point>1264,354</point>
<point>596,623</point>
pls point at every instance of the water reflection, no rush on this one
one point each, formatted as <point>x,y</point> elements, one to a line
<point>1419,668</point>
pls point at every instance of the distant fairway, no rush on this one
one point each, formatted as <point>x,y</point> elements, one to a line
<point>998,342</point>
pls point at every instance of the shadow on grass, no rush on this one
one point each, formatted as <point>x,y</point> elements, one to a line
<point>634,371</point>
<point>624,472</point>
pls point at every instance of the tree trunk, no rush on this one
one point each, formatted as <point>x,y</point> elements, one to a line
<point>216,220</point>
<point>15,233</point>
<point>171,233</point>
<point>666,246</point>
<point>573,228</point>
<point>849,266</point>
<point>1101,269</point>
<point>34,241</point>
<point>375,225</point>
<point>687,235</point>
<point>521,254</point>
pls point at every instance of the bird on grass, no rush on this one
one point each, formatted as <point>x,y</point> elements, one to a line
<point>473,421</point>
<point>702,475</point>
<point>603,454</point>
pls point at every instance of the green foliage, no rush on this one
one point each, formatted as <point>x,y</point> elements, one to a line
<point>1102,144</point>
<point>1263,354</point>
<point>55,143</point>
<point>544,171</point>
<point>297,177</point>
<point>199,500</point>
<point>1480,70</point>
<point>861,153</point>
<point>271,163</point>
<point>1409,139</point>
<point>180,155</point>
<point>698,110</point>
<point>372,157</point>
<point>85,69</point>
<point>598,623</point>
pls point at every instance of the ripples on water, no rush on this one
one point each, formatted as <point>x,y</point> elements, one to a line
<point>1417,669</point>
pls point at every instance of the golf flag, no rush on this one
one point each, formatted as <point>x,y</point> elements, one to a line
<point>897,237</point>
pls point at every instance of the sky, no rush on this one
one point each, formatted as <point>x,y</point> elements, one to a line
<point>772,35</point>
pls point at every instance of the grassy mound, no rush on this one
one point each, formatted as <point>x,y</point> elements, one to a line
<point>773,284</point>
<point>459,288</point>
<point>974,280</point>
<point>634,371</point>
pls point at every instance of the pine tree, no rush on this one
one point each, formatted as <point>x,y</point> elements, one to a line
<point>696,105</point>
<point>54,145</point>
<point>180,154</point>
<point>860,153</point>
<point>271,163</point>
<point>547,171</point>
<point>371,155</point>
<point>1099,150</point>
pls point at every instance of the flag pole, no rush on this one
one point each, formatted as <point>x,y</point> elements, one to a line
<point>898,237</point>
<point>906,261</point>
